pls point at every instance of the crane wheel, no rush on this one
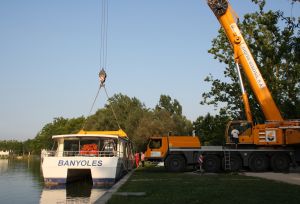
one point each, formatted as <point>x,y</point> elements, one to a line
<point>258,162</point>
<point>212,163</point>
<point>175,163</point>
<point>235,163</point>
<point>280,162</point>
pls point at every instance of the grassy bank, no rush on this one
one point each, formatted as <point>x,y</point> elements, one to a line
<point>163,187</point>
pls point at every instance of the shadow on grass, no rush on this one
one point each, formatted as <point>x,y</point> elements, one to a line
<point>161,186</point>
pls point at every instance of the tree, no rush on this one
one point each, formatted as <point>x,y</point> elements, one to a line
<point>120,110</point>
<point>171,111</point>
<point>60,125</point>
<point>166,117</point>
<point>276,49</point>
<point>211,129</point>
<point>166,103</point>
<point>11,145</point>
<point>138,121</point>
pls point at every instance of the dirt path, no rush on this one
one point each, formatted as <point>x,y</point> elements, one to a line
<point>293,177</point>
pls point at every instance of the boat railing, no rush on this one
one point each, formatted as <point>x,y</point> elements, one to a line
<point>82,153</point>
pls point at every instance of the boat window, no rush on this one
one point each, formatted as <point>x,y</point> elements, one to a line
<point>55,146</point>
<point>108,146</point>
<point>85,141</point>
<point>155,143</point>
<point>89,147</point>
<point>126,150</point>
<point>71,147</point>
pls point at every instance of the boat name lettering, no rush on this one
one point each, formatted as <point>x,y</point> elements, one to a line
<point>79,163</point>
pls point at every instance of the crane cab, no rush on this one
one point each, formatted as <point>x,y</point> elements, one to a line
<point>245,132</point>
<point>271,133</point>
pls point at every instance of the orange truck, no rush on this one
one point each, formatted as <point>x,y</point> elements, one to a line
<point>275,143</point>
<point>179,152</point>
<point>163,149</point>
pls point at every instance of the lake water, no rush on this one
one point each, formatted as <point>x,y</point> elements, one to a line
<point>21,181</point>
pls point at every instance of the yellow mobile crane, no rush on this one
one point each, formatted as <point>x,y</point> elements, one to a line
<point>276,130</point>
<point>275,143</point>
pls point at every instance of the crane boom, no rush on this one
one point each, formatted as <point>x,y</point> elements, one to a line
<point>225,15</point>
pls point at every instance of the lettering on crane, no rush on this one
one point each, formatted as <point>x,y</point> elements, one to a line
<point>253,67</point>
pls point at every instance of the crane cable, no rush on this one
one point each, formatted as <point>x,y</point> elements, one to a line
<point>103,31</point>
<point>102,77</point>
<point>103,60</point>
<point>112,109</point>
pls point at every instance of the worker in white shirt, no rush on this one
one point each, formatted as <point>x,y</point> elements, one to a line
<point>235,136</point>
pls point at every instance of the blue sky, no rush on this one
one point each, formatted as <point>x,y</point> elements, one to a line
<point>50,53</point>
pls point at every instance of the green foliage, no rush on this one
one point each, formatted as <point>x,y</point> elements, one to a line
<point>211,129</point>
<point>12,145</point>
<point>169,112</point>
<point>128,111</point>
<point>138,121</point>
<point>132,116</point>
<point>275,44</point>
<point>166,103</point>
<point>60,125</point>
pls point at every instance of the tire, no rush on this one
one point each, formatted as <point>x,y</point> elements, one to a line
<point>280,162</point>
<point>258,162</point>
<point>211,163</point>
<point>235,163</point>
<point>175,163</point>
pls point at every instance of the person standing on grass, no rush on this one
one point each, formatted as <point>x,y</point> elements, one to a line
<point>137,159</point>
<point>143,159</point>
<point>200,162</point>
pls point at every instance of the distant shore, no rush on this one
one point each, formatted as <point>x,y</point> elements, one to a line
<point>23,157</point>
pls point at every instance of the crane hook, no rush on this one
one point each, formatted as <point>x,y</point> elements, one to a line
<point>102,76</point>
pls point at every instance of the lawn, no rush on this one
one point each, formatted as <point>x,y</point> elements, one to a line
<point>187,188</point>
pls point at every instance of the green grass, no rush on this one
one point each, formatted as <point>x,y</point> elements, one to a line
<point>187,188</point>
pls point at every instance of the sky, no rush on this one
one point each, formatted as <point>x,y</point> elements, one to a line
<point>50,54</point>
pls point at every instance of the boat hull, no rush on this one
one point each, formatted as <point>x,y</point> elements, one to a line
<point>103,170</point>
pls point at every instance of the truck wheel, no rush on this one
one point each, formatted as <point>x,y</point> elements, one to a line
<point>280,162</point>
<point>235,163</point>
<point>175,163</point>
<point>211,163</point>
<point>258,162</point>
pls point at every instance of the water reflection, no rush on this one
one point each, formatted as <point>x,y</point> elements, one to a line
<point>3,165</point>
<point>21,181</point>
<point>75,192</point>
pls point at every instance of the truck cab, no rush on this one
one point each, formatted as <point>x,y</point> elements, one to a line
<point>156,149</point>
<point>175,151</point>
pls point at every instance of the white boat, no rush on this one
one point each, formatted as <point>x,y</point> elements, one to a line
<point>104,156</point>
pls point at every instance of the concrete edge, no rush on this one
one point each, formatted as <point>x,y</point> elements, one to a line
<point>107,195</point>
<point>290,178</point>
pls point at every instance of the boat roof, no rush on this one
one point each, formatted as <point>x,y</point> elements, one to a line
<point>82,133</point>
